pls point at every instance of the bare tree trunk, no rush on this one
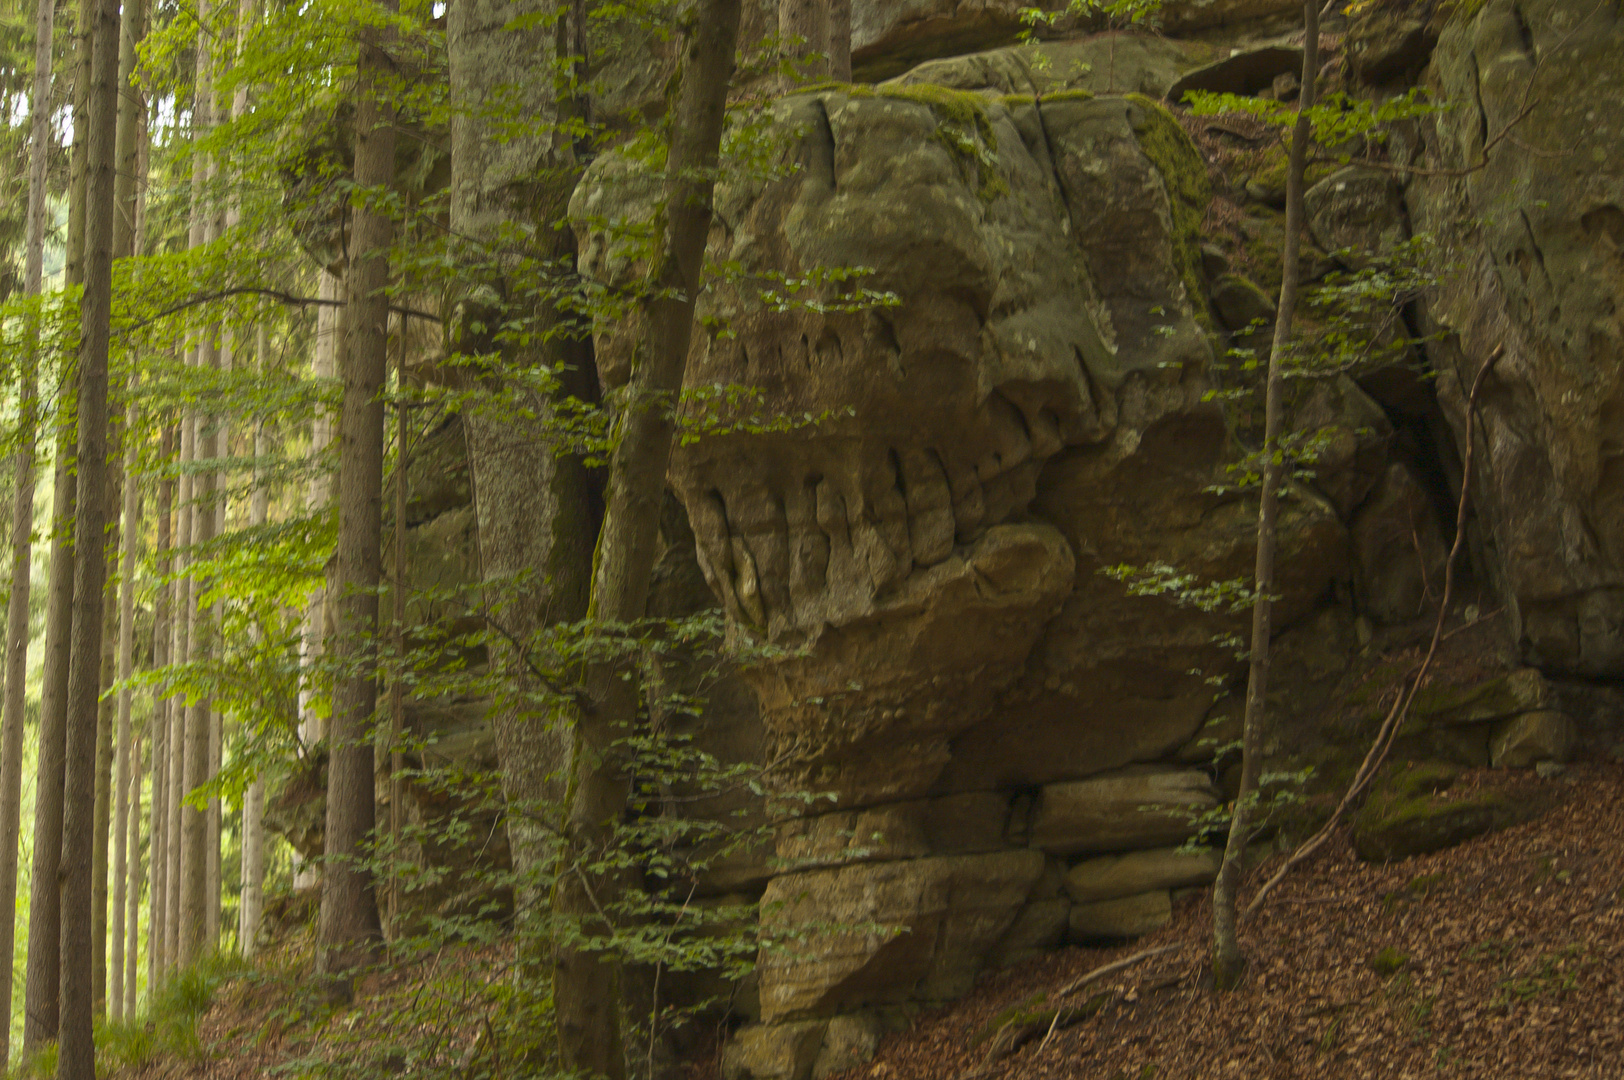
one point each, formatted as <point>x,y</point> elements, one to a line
<point>22,526</point>
<point>252,904</point>
<point>123,853</point>
<point>803,28</point>
<point>349,927</point>
<point>1229,962</point>
<point>312,637</point>
<point>132,891</point>
<point>106,707</point>
<point>41,1004</point>
<point>586,988</point>
<point>194,743</point>
<point>162,707</point>
<point>76,1059</point>
<point>180,653</point>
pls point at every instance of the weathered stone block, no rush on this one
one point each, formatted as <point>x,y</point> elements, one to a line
<point>849,1041</point>
<point>887,932</point>
<point>1137,808</point>
<point>1125,917</point>
<point>1543,735</point>
<point>773,1051</point>
<point>1112,876</point>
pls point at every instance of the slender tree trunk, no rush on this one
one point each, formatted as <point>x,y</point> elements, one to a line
<point>123,853</point>
<point>193,880</point>
<point>162,707</point>
<point>132,892</point>
<point>586,988</point>
<point>252,904</point>
<point>312,637</point>
<point>106,707</point>
<point>76,1058</point>
<point>349,926</point>
<point>1228,961</point>
<point>180,654</point>
<point>22,526</point>
<point>41,1005</point>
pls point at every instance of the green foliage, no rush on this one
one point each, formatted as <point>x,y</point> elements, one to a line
<point>1389,961</point>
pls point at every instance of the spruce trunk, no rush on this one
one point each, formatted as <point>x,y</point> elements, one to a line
<point>586,987</point>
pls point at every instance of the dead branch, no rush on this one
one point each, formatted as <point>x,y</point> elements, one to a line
<point>1396,716</point>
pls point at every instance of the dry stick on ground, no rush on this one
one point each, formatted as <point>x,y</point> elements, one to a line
<point>1401,708</point>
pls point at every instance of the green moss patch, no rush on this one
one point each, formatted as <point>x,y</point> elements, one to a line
<point>964,128</point>
<point>1189,190</point>
<point>1389,962</point>
<point>1410,812</point>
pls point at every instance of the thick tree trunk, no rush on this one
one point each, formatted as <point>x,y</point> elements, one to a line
<point>803,27</point>
<point>41,1004</point>
<point>349,927</point>
<point>22,526</point>
<point>840,40</point>
<point>76,1059</point>
<point>535,506</point>
<point>586,988</point>
<point>1228,960</point>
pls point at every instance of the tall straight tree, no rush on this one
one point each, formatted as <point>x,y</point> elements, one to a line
<point>122,849</point>
<point>194,827</point>
<point>586,989</point>
<point>22,524</point>
<point>349,928</point>
<point>251,904</point>
<point>76,1058</point>
<point>1228,961</point>
<point>107,705</point>
<point>42,1004</point>
<point>162,704</point>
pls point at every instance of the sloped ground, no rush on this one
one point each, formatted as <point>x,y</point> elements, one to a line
<point>1501,958</point>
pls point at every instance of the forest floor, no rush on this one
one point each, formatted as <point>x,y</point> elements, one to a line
<point>1503,958</point>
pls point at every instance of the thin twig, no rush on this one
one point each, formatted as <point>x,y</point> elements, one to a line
<point>1377,755</point>
<point>1114,967</point>
<point>290,299</point>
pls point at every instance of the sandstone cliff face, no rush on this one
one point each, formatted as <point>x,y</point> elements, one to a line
<point>919,498</point>
<point>1540,231</point>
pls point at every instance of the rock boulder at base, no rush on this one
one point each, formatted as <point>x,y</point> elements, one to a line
<point>848,1042</point>
<point>1125,917</point>
<point>887,932</point>
<point>1542,735</point>
<point>1111,877</point>
<point>1136,808</point>
<point>1412,812</point>
<point>1357,214</point>
<point>1398,550</point>
<point>773,1051</point>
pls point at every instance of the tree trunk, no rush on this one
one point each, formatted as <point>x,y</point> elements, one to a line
<point>535,506</point>
<point>162,707</point>
<point>252,903</point>
<point>132,892</point>
<point>22,526</point>
<point>194,742</point>
<point>76,1059</point>
<point>180,653</point>
<point>349,926</point>
<point>1228,961</point>
<point>106,707</point>
<point>803,29</point>
<point>41,1004</point>
<point>123,853</point>
<point>586,988</point>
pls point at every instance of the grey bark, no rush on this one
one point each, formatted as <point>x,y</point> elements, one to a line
<point>76,1057</point>
<point>22,525</point>
<point>586,987</point>
<point>123,851</point>
<point>162,706</point>
<point>803,29</point>
<point>349,929</point>
<point>1229,961</point>
<point>41,1004</point>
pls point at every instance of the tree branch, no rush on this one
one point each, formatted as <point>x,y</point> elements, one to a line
<point>278,295</point>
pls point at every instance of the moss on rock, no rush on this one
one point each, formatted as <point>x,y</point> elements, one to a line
<point>1408,814</point>
<point>1189,190</point>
